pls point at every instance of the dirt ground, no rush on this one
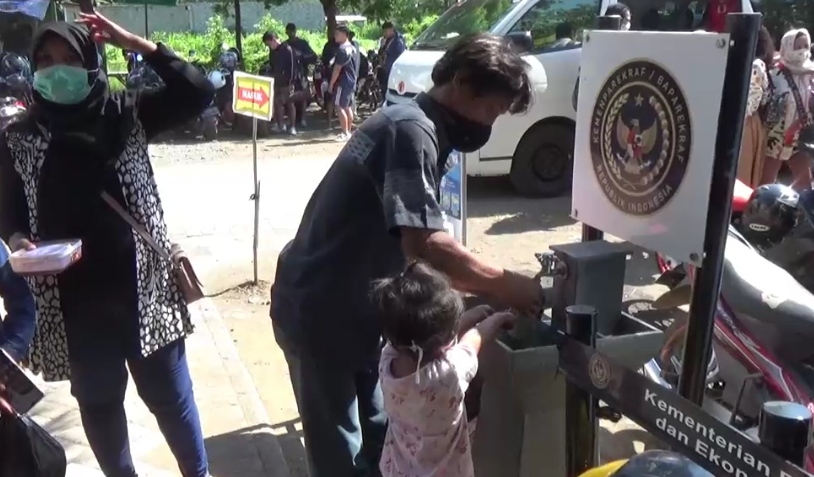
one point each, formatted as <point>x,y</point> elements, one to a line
<point>502,228</point>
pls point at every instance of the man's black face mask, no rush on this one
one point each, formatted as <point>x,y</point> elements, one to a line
<point>465,135</point>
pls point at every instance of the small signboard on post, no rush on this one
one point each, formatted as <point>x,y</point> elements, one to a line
<point>253,96</point>
<point>643,157</point>
<point>453,196</point>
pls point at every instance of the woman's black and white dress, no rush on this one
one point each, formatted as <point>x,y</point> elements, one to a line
<point>161,312</point>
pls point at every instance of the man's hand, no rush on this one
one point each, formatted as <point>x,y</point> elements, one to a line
<point>20,241</point>
<point>520,292</point>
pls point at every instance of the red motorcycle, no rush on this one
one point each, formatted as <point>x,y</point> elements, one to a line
<point>764,325</point>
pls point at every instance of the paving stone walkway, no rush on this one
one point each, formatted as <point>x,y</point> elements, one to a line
<point>239,439</point>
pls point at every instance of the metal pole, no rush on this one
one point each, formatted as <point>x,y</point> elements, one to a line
<point>784,428</point>
<point>464,198</point>
<point>743,29</point>
<point>580,407</point>
<point>256,198</point>
<point>146,21</point>
<point>603,22</point>
<point>238,29</point>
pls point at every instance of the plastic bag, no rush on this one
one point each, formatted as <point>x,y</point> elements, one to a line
<point>27,450</point>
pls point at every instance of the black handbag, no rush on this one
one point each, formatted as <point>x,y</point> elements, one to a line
<point>27,450</point>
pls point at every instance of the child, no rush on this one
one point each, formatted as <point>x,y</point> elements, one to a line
<point>425,369</point>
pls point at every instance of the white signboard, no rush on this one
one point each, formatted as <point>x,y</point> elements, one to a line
<point>453,196</point>
<point>645,141</point>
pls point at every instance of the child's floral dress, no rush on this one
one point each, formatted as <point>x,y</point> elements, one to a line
<point>427,434</point>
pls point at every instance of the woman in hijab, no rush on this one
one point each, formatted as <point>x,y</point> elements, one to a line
<point>788,114</point>
<point>119,304</point>
<point>753,144</point>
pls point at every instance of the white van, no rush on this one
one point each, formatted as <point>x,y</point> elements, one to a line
<point>536,148</point>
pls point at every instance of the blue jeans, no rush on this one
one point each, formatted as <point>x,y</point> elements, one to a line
<point>99,347</point>
<point>17,328</point>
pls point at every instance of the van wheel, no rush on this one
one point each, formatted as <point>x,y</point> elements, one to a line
<point>544,161</point>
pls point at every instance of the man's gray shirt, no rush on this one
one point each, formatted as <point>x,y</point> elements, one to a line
<point>385,178</point>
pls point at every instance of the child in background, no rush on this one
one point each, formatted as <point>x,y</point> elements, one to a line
<point>429,360</point>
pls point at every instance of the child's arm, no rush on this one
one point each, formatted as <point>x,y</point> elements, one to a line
<point>487,330</point>
<point>472,317</point>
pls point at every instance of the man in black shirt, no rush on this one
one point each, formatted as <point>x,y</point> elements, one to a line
<point>286,74</point>
<point>375,209</point>
<point>305,56</point>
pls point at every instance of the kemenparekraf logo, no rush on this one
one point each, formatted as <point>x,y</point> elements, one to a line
<point>599,371</point>
<point>640,137</point>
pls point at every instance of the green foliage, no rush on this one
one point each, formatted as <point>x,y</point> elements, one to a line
<point>207,47</point>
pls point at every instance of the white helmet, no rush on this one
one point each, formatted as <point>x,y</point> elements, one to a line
<point>217,79</point>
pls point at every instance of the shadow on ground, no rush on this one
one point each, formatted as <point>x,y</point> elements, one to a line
<point>494,196</point>
<point>289,435</point>
<point>616,444</point>
<point>240,452</point>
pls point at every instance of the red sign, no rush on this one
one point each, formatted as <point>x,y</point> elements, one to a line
<point>256,96</point>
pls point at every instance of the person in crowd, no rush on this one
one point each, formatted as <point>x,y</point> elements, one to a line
<point>358,62</point>
<point>329,51</point>
<point>788,114</point>
<point>714,18</point>
<point>18,326</point>
<point>564,35</point>
<point>621,10</point>
<point>286,73</point>
<point>426,367</point>
<point>651,20</point>
<point>343,81</point>
<point>119,307</point>
<point>394,45</point>
<point>753,144</point>
<point>305,56</point>
<point>376,208</point>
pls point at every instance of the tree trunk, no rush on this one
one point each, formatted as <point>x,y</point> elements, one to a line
<point>330,10</point>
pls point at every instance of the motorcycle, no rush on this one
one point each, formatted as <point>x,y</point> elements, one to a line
<point>369,93</point>
<point>763,327</point>
<point>223,79</point>
<point>15,88</point>
<point>140,75</point>
<point>11,111</point>
<point>206,124</point>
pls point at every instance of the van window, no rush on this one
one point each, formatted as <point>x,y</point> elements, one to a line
<point>557,24</point>
<point>463,18</point>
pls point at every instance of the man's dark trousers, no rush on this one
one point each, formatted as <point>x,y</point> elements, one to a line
<point>342,413</point>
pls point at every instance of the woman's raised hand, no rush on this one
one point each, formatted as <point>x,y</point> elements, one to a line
<point>103,30</point>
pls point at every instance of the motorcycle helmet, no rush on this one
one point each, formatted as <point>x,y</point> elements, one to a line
<point>228,60</point>
<point>14,64</point>
<point>217,79</point>
<point>660,463</point>
<point>770,214</point>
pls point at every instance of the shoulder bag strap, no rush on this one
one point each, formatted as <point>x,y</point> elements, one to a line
<point>114,204</point>
<point>797,98</point>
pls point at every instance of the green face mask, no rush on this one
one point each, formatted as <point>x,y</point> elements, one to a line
<point>62,84</point>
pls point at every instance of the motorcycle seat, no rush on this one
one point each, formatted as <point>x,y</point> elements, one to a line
<point>740,196</point>
<point>767,296</point>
